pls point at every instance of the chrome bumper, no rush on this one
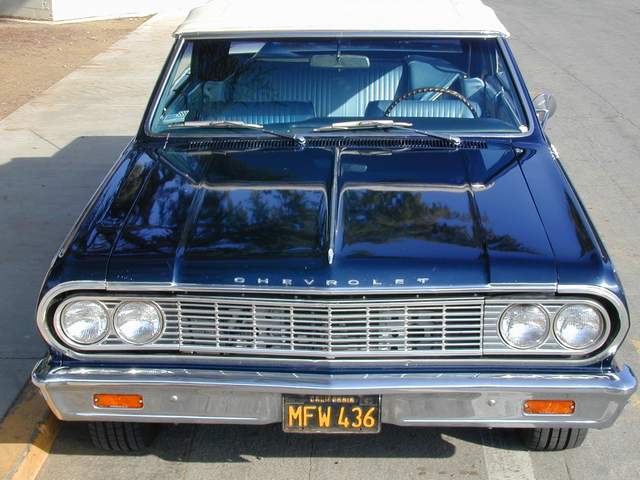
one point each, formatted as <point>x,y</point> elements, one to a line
<point>446,399</point>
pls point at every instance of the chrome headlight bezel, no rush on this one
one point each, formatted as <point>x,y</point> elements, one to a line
<point>111,339</point>
<point>604,327</point>
<point>150,303</point>
<point>59,323</point>
<point>544,336</point>
<point>552,345</point>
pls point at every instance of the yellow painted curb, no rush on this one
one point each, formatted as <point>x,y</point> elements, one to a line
<point>26,436</point>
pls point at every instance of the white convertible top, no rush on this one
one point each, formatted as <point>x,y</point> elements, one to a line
<point>254,18</point>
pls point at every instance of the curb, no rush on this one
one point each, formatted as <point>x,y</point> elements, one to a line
<point>27,434</point>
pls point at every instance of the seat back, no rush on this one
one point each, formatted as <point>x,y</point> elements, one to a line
<point>333,92</point>
<point>430,72</point>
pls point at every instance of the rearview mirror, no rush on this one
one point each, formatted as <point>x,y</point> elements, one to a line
<point>545,105</point>
<point>339,61</point>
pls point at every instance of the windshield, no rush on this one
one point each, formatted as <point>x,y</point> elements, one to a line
<point>302,86</point>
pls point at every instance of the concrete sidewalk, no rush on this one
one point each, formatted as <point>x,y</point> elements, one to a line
<point>55,151</point>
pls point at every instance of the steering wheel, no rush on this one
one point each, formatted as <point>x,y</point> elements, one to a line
<point>441,90</point>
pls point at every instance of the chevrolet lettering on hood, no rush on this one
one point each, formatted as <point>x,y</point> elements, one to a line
<point>311,282</point>
<point>332,218</point>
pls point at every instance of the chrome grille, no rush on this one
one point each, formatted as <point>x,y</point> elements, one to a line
<point>386,329</point>
<point>330,329</point>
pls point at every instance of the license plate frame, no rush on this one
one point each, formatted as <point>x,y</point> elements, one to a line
<point>331,414</point>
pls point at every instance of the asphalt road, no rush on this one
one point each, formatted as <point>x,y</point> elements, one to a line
<point>585,52</point>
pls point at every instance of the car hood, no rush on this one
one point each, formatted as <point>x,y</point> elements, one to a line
<point>326,218</point>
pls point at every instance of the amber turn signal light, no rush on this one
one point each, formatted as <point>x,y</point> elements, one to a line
<point>117,400</point>
<point>549,407</point>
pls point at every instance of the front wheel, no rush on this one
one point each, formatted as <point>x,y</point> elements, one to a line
<point>552,439</point>
<point>122,436</point>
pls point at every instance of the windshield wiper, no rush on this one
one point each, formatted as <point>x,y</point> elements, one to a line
<point>232,124</point>
<point>384,124</point>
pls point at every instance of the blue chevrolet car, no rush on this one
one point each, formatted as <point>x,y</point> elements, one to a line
<point>336,218</point>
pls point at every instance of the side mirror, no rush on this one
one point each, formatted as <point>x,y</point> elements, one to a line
<point>546,106</point>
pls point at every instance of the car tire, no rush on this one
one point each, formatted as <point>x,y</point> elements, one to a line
<point>553,439</point>
<point>122,437</point>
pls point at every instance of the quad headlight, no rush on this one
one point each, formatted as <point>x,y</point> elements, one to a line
<point>84,321</point>
<point>578,326</point>
<point>138,322</point>
<point>524,326</point>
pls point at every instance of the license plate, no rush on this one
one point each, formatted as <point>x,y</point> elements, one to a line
<point>331,414</point>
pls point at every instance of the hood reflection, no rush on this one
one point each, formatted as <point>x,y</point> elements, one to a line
<point>434,207</point>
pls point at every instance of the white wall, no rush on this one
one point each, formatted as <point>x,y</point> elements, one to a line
<point>59,10</point>
<point>36,9</point>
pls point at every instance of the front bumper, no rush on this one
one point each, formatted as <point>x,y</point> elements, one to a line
<point>421,399</point>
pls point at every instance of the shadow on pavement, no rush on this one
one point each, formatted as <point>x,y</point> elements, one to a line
<point>241,444</point>
<point>40,199</point>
